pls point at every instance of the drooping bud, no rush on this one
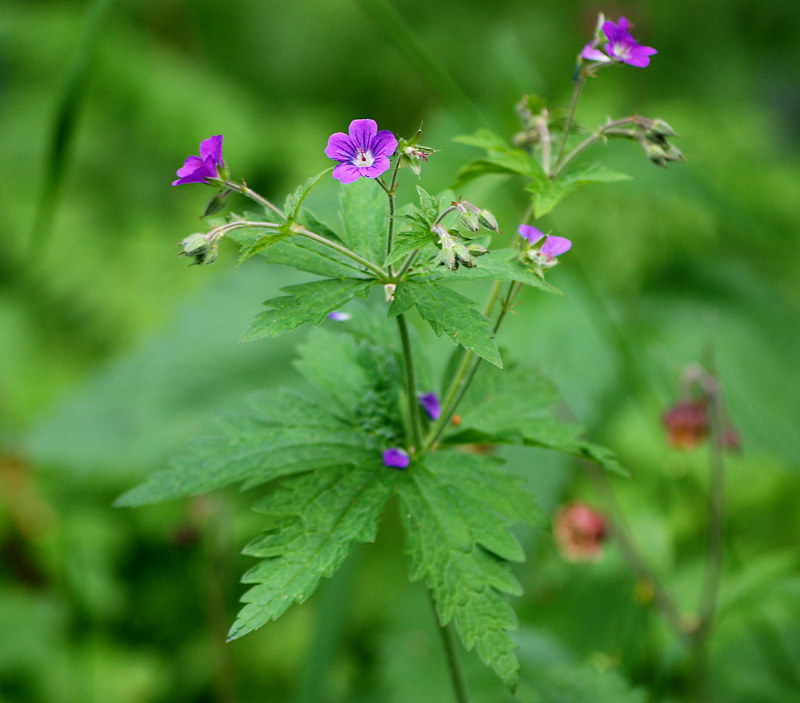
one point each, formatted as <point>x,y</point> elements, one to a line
<point>580,532</point>
<point>662,154</point>
<point>200,249</point>
<point>687,423</point>
<point>470,221</point>
<point>659,131</point>
<point>488,220</point>
<point>217,202</point>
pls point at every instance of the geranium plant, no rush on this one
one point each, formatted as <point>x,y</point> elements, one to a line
<point>326,458</point>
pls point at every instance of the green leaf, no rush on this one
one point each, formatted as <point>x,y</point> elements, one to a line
<point>363,211</point>
<point>518,407</point>
<point>306,302</point>
<point>406,242</point>
<point>484,139</point>
<point>547,193</point>
<point>512,163</point>
<point>428,205</point>
<point>299,253</point>
<point>282,434</point>
<point>456,512</point>
<point>448,312</point>
<point>315,519</point>
<point>265,240</point>
<point>503,265</point>
<point>295,201</point>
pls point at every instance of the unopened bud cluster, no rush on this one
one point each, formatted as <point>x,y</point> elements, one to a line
<point>454,248</point>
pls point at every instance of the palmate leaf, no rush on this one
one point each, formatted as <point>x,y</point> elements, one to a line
<point>456,512</point>
<point>315,519</point>
<point>448,312</point>
<point>306,302</point>
<point>518,407</point>
<point>283,433</point>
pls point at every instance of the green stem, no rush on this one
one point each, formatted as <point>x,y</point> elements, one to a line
<point>390,192</point>
<point>579,81</point>
<point>451,656</point>
<point>411,382</point>
<point>716,512</point>
<point>261,200</point>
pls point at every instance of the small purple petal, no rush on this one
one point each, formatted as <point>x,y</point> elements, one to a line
<point>555,246</point>
<point>340,147</point>
<point>430,402</point>
<point>212,147</point>
<point>623,47</point>
<point>531,233</point>
<point>379,166</point>
<point>191,164</point>
<point>592,54</point>
<point>347,173</point>
<point>384,144</point>
<point>339,316</point>
<point>396,458</point>
<point>362,132</point>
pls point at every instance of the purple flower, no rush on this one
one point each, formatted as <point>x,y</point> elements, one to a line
<point>430,402</point>
<point>623,47</point>
<point>549,249</point>
<point>531,233</point>
<point>339,316</point>
<point>363,152</point>
<point>199,169</point>
<point>396,458</point>
<point>555,246</point>
<point>592,54</point>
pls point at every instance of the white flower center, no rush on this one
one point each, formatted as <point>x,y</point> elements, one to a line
<point>363,159</point>
<point>621,50</point>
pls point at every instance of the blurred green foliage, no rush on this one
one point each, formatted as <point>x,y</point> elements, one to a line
<point>113,352</point>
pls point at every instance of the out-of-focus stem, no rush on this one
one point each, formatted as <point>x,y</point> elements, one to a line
<point>451,656</point>
<point>573,104</point>
<point>260,199</point>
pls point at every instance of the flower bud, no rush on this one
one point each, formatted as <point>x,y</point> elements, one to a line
<point>687,423</point>
<point>580,532</point>
<point>198,247</point>
<point>659,132</point>
<point>661,154</point>
<point>217,202</point>
<point>488,220</point>
<point>470,221</point>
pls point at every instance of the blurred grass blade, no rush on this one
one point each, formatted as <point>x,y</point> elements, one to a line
<point>65,120</point>
<point>402,35</point>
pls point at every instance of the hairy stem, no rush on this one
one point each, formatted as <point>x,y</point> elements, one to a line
<point>576,93</point>
<point>260,199</point>
<point>411,383</point>
<point>451,656</point>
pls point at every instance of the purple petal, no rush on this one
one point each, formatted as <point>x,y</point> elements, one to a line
<point>430,402</point>
<point>362,132</point>
<point>531,233</point>
<point>640,56</point>
<point>623,24</point>
<point>380,165</point>
<point>191,164</point>
<point>396,458</point>
<point>340,147</point>
<point>555,246</point>
<point>384,143</point>
<point>617,34</point>
<point>592,54</point>
<point>339,316</point>
<point>212,148</point>
<point>347,173</point>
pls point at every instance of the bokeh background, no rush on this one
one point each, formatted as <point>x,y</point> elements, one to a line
<point>114,353</point>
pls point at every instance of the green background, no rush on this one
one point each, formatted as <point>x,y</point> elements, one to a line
<point>114,353</point>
